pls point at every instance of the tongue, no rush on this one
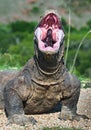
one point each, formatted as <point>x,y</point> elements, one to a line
<point>48,40</point>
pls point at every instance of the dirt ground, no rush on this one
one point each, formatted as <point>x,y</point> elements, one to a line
<point>51,119</point>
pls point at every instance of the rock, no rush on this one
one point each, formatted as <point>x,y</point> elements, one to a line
<point>84,103</point>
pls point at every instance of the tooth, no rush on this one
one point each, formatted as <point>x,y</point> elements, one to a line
<point>38,33</point>
<point>60,35</point>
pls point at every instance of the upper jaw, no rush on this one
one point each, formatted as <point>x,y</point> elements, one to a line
<point>49,34</point>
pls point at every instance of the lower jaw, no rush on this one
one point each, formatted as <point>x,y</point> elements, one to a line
<point>48,49</point>
<point>48,70</point>
<point>48,63</point>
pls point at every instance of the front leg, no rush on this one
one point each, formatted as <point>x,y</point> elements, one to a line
<point>71,94</point>
<point>14,106</point>
<point>69,107</point>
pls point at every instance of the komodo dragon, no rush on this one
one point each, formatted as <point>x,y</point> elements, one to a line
<point>44,81</point>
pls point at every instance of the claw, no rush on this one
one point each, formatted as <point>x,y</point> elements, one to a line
<point>72,117</point>
<point>33,121</point>
<point>21,120</point>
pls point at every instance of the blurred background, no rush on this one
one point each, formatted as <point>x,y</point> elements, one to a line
<point>18,19</point>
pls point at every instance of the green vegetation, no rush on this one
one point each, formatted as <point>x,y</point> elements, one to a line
<point>17,46</point>
<point>58,128</point>
<point>35,9</point>
<point>16,43</point>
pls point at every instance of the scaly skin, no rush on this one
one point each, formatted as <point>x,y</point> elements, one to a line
<point>42,83</point>
<point>5,76</point>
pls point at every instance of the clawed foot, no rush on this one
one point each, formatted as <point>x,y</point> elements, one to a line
<point>21,120</point>
<point>71,117</point>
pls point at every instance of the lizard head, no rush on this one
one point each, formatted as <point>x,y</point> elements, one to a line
<point>49,34</point>
<point>48,41</point>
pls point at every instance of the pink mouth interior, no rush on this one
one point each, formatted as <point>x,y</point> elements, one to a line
<point>49,33</point>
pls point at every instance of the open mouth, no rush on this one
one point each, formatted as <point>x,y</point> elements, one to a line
<point>49,33</point>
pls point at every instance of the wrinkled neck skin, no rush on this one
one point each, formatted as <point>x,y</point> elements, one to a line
<point>49,63</point>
